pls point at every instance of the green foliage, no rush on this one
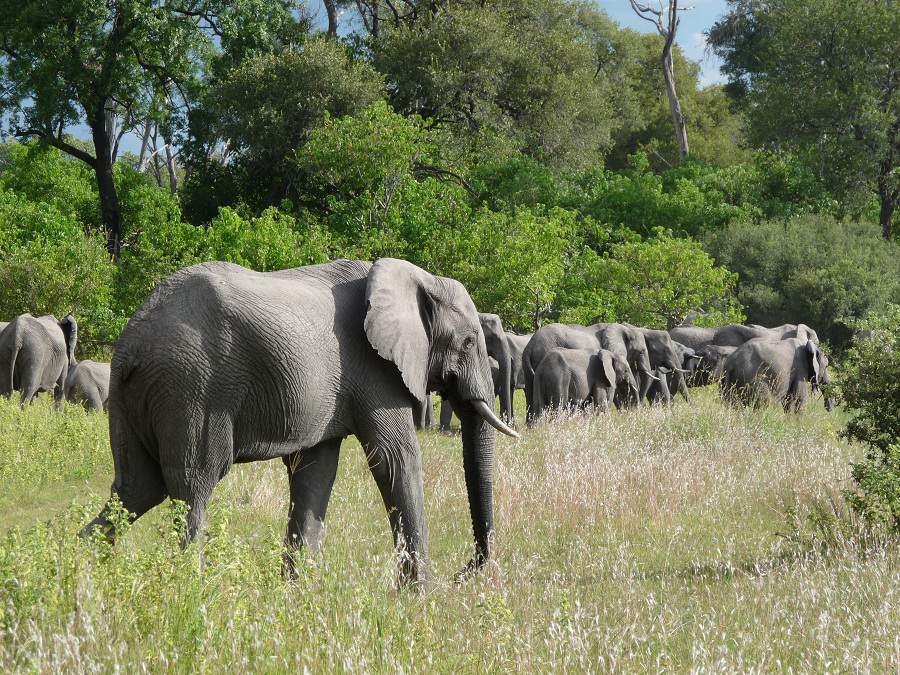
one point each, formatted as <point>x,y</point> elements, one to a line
<point>544,78</point>
<point>811,269</point>
<point>656,283</point>
<point>821,77</point>
<point>870,388</point>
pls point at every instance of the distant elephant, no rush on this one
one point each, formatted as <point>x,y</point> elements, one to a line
<point>578,378</point>
<point>676,381</point>
<point>222,364</point>
<point>35,355</point>
<point>712,362</point>
<point>626,341</point>
<point>665,359</point>
<point>734,335</point>
<point>517,344</point>
<point>88,383</point>
<point>760,369</point>
<point>659,390</point>
<point>497,349</point>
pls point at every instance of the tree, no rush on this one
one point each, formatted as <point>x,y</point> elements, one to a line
<point>107,63</point>
<point>544,78</point>
<point>667,29</point>
<point>823,77</point>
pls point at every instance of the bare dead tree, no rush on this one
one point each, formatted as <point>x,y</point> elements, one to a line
<point>667,26</point>
<point>332,11</point>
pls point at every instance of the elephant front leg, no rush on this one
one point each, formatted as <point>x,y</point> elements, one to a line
<point>395,460</point>
<point>311,472</point>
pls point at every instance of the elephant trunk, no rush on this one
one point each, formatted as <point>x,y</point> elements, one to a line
<point>478,441</point>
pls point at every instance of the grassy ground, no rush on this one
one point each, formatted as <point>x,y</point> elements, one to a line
<point>645,540</point>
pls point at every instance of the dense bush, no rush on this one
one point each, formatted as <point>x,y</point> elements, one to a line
<point>870,388</point>
<point>813,268</point>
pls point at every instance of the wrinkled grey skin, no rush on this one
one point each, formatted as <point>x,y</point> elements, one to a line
<point>88,384</point>
<point>223,365</point>
<point>709,369</point>
<point>497,349</point>
<point>761,369</point>
<point>734,335</point>
<point>35,355</point>
<point>626,341</point>
<point>665,359</point>
<point>577,378</point>
<point>676,381</point>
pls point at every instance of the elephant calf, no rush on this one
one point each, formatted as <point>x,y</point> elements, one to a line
<point>760,369</point>
<point>88,383</point>
<point>576,378</point>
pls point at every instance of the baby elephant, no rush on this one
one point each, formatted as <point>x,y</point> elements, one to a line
<point>762,368</point>
<point>575,378</point>
<point>88,383</point>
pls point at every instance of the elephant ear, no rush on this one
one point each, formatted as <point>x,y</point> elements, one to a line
<point>803,332</point>
<point>69,328</point>
<point>813,356</point>
<point>398,311</point>
<point>609,370</point>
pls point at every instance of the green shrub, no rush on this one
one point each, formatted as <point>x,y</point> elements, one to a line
<point>870,388</point>
<point>812,269</point>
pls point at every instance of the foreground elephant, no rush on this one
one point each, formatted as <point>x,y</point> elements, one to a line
<point>222,365</point>
<point>735,334</point>
<point>761,369</point>
<point>88,384</point>
<point>576,378</point>
<point>35,355</point>
<point>626,341</point>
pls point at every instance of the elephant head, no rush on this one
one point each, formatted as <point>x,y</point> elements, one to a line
<point>817,364</point>
<point>498,349</point>
<point>627,390</point>
<point>429,327</point>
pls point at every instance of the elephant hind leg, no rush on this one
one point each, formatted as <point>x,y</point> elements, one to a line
<point>311,473</point>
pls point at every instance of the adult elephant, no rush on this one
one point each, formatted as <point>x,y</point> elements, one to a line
<point>626,341</point>
<point>517,344</point>
<point>88,384</point>
<point>783,369</point>
<point>35,355</point>
<point>223,364</point>
<point>676,381</point>
<point>577,378</point>
<point>666,359</point>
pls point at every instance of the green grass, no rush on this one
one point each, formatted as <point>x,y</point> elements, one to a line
<point>645,540</point>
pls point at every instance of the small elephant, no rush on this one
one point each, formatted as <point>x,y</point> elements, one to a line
<point>222,364</point>
<point>577,378</point>
<point>88,383</point>
<point>783,369</point>
<point>35,355</point>
<point>675,380</point>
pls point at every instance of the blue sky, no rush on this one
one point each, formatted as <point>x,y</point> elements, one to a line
<point>694,23</point>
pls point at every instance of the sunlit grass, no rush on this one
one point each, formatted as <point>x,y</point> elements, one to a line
<point>645,540</point>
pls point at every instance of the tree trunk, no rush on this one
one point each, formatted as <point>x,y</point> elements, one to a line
<point>103,169</point>
<point>331,10</point>
<point>170,167</point>
<point>886,217</point>
<point>888,190</point>
<point>145,144</point>
<point>674,104</point>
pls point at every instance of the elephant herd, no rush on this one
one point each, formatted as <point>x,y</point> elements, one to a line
<point>572,367</point>
<point>37,354</point>
<point>223,365</point>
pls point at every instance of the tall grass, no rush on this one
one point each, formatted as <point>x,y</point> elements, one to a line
<point>645,540</point>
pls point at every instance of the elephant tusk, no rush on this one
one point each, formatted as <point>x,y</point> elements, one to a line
<point>650,375</point>
<point>485,411</point>
<point>681,370</point>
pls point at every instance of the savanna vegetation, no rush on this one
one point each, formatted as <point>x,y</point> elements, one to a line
<point>526,148</point>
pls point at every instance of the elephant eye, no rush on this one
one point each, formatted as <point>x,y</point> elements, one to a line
<point>468,343</point>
